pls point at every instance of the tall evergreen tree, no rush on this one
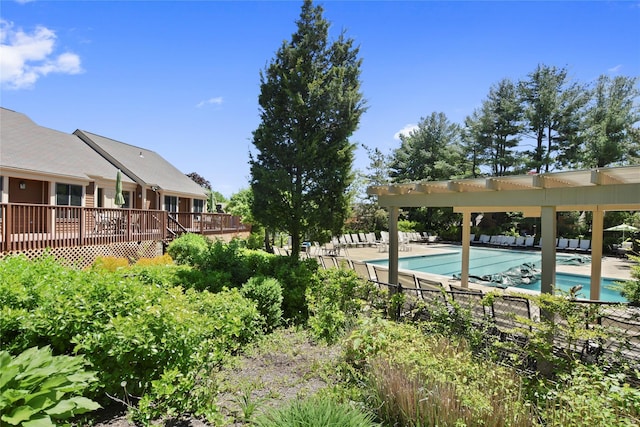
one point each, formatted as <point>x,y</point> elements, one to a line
<point>431,152</point>
<point>311,104</point>
<point>492,132</point>
<point>610,138</point>
<point>552,109</point>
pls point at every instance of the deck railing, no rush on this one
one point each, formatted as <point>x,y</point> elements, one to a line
<point>26,227</point>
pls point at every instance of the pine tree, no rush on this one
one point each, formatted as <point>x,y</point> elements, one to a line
<point>310,106</point>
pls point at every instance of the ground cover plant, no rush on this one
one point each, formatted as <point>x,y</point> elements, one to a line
<point>38,389</point>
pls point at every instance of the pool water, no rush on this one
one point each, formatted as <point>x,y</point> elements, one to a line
<point>486,261</point>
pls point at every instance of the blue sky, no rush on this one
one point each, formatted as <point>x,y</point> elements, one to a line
<point>182,78</point>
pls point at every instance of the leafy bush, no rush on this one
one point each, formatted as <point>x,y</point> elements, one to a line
<point>159,260</point>
<point>110,263</point>
<point>189,249</point>
<point>267,293</point>
<point>630,289</point>
<point>588,396</point>
<point>132,325</point>
<point>335,299</point>
<point>39,389</point>
<point>314,412</point>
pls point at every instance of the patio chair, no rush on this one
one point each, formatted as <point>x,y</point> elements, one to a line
<point>519,242</point>
<point>103,223</point>
<point>470,300</point>
<point>433,294</point>
<point>361,268</point>
<point>382,274</point>
<point>624,340</point>
<point>511,315</point>
<point>408,283</point>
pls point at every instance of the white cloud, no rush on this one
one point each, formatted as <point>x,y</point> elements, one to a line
<point>406,131</point>
<point>25,57</point>
<point>214,101</point>
<point>615,70</point>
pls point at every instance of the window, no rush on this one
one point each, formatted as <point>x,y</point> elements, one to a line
<point>127,199</point>
<point>68,195</point>
<point>198,205</point>
<point>171,203</point>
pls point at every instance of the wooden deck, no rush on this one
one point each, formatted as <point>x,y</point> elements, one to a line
<point>26,227</point>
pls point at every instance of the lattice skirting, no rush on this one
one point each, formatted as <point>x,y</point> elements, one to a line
<point>84,256</point>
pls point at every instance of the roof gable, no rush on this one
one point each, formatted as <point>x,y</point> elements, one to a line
<point>145,166</point>
<point>26,146</point>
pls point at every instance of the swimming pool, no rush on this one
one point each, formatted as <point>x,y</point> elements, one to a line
<point>490,261</point>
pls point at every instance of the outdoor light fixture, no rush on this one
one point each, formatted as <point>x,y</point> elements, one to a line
<point>22,185</point>
<point>141,156</point>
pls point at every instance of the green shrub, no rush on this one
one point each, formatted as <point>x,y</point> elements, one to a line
<point>588,396</point>
<point>334,299</point>
<point>110,263</point>
<point>294,276</point>
<point>630,289</point>
<point>190,249</point>
<point>167,329</point>
<point>267,293</point>
<point>39,389</point>
<point>315,412</point>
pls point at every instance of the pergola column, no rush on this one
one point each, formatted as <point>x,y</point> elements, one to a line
<point>393,244</point>
<point>548,236</point>
<point>466,243</point>
<point>596,253</point>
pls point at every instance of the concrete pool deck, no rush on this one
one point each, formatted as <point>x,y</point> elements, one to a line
<point>612,267</point>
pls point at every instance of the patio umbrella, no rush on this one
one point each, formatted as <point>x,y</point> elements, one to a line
<point>622,227</point>
<point>119,200</point>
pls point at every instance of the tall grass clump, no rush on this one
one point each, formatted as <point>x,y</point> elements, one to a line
<point>315,412</point>
<point>419,380</point>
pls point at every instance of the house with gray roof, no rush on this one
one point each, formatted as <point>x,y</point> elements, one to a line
<point>39,165</point>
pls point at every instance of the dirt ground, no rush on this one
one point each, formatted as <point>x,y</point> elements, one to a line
<point>284,367</point>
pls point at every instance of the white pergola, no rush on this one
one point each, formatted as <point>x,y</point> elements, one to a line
<point>538,195</point>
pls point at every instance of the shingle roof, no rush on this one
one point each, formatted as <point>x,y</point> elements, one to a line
<point>26,146</point>
<point>147,166</point>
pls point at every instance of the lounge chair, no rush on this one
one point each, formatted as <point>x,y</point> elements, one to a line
<point>508,241</point>
<point>528,242</point>
<point>433,294</point>
<point>573,244</point>
<point>484,239</point>
<point>519,242</point>
<point>383,244</point>
<point>585,245</point>
<point>562,243</point>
